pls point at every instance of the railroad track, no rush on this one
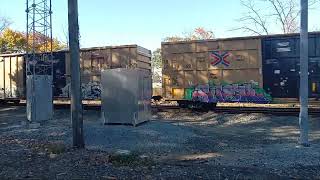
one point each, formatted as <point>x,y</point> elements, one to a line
<point>276,111</point>
<point>238,110</point>
<point>231,110</point>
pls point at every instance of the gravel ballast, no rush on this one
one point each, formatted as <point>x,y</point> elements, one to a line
<point>177,144</point>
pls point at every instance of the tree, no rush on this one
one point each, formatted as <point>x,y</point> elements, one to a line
<point>174,39</point>
<point>15,41</point>
<point>156,63</point>
<point>199,33</point>
<point>44,47</point>
<point>12,41</point>
<point>66,37</point>
<point>284,13</point>
<point>254,21</point>
<point>156,60</point>
<point>4,23</point>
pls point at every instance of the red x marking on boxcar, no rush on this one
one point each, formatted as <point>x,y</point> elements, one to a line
<point>220,58</point>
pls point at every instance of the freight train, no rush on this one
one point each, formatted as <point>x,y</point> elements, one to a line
<point>253,69</point>
<point>246,69</point>
<point>93,60</point>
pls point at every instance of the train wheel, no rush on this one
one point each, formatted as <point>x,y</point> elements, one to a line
<point>213,106</point>
<point>16,102</point>
<point>208,106</point>
<point>183,104</point>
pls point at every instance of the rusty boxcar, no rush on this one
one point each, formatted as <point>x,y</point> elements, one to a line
<point>93,60</point>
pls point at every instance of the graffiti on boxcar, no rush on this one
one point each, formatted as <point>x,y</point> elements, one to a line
<point>200,95</point>
<point>237,92</point>
<point>91,90</point>
<point>220,57</point>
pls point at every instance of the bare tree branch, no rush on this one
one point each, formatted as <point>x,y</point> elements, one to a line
<point>278,13</point>
<point>247,29</point>
<point>4,23</point>
<point>66,36</point>
<point>256,18</point>
<point>285,13</point>
<point>313,2</point>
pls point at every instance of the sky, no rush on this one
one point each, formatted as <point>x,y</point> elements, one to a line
<point>142,22</point>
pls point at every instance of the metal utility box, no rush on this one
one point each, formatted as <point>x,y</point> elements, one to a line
<point>39,98</point>
<point>126,96</point>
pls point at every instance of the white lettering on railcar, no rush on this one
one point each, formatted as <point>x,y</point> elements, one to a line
<point>283,44</point>
<point>284,49</point>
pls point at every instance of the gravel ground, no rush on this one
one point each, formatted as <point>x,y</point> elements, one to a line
<point>174,144</point>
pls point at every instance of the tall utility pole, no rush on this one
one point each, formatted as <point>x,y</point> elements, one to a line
<point>304,79</point>
<point>76,101</point>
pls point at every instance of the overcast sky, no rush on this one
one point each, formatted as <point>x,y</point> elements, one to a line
<point>142,22</point>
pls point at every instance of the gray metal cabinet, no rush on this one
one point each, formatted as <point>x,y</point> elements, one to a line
<point>39,104</point>
<point>126,95</point>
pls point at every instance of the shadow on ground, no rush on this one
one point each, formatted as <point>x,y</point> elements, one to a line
<point>231,145</point>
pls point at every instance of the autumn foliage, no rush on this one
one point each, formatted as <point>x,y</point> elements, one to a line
<point>16,41</point>
<point>199,33</point>
<point>12,41</point>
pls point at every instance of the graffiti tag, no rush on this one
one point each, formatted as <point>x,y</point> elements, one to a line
<point>245,93</point>
<point>91,90</point>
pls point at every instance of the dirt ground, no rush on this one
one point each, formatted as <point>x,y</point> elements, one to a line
<point>174,144</point>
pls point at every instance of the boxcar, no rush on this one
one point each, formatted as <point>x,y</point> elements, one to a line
<point>247,69</point>
<point>92,61</point>
<point>12,78</point>
<point>281,65</point>
<point>220,70</point>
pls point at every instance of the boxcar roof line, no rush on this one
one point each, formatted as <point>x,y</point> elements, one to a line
<point>239,38</point>
<point>82,49</point>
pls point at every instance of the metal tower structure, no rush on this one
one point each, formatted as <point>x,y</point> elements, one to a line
<point>39,36</point>
<point>39,60</point>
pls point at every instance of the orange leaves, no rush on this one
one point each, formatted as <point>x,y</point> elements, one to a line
<point>15,41</point>
<point>12,41</point>
<point>199,33</point>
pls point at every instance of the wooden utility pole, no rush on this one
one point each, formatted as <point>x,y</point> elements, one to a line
<point>76,101</point>
<point>304,77</point>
